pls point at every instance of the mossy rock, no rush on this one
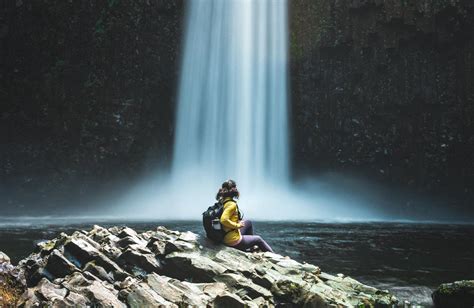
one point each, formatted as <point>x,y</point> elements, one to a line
<point>458,294</point>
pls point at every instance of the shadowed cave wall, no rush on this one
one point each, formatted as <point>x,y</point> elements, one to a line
<point>379,89</point>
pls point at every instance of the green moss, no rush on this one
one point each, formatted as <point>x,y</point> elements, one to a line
<point>99,26</point>
<point>295,49</point>
<point>113,3</point>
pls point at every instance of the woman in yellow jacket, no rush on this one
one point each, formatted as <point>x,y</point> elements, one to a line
<point>239,233</point>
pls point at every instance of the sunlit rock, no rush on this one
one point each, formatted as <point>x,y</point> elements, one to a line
<point>4,258</point>
<point>143,296</point>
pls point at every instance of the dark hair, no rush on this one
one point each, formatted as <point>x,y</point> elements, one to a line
<point>228,189</point>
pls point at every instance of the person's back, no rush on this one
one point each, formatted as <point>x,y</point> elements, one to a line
<point>238,233</point>
<point>230,222</point>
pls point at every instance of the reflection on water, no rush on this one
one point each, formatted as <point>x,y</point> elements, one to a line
<point>408,259</point>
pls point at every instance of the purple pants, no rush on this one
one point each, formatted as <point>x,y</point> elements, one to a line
<point>249,239</point>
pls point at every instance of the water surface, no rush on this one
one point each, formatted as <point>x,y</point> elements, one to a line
<point>408,259</point>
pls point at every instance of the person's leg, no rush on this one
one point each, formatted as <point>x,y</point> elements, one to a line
<point>247,229</point>
<point>249,241</point>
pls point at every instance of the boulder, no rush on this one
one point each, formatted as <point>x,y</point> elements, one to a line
<point>4,258</point>
<point>58,265</point>
<point>147,262</point>
<point>100,234</point>
<point>131,240</point>
<point>80,252</point>
<point>456,294</point>
<point>127,232</point>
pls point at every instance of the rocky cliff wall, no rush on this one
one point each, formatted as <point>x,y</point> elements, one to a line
<point>87,91</point>
<point>385,89</point>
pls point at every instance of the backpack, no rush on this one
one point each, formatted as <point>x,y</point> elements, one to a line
<point>211,220</point>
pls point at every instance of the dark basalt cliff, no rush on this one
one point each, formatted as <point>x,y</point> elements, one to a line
<point>381,89</point>
<point>87,92</point>
<point>385,89</point>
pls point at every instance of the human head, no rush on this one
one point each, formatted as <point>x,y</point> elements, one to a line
<point>228,189</point>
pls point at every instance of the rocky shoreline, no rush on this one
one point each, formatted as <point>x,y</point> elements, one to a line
<point>118,267</point>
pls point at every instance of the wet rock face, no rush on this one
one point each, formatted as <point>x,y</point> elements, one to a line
<point>97,268</point>
<point>384,88</point>
<point>456,294</point>
<point>87,92</point>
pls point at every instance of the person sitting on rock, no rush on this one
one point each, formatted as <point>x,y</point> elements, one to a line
<point>239,233</point>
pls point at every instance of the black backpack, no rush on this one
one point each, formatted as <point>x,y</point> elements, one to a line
<point>211,220</point>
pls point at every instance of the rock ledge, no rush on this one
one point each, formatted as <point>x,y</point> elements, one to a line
<point>118,267</point>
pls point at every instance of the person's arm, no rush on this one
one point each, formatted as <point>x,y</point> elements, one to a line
<point>229,210</point>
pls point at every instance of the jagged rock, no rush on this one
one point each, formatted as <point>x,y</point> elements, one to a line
<point>96,292</point>
<point>131,240</point>
<point>228,300</point>
<point>211,289</point>
<point>6,268</point>
<point>143,296</point>
<point>80,251</point>
<point>193,265</point>
<point>76,280</point>
<point>4,258</point>
<point>58,265</point>
<point>157,246</point>
<point>457,294</point>
<point>98,271</point>
<point>170,268</point>
<point>243,285</point>
<point>73,299</point>
<point>177,292</point>
<point>99,234</point>
<point>29,299</point>
<point>259,302</point>
<point>127,232</point>
<point>127,282</point>
<point>173,246</point>
<point>49,291</point>
<point>144,261</point>
<point>188,237</point>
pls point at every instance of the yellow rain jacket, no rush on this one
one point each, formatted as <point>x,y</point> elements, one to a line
<point>230,222</point>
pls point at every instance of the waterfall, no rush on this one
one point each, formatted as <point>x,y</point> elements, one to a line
<point>232,122</point>
<point>232,116</point>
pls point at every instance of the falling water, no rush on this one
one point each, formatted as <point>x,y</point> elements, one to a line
<point>232,122</point>
<point>232,112</point>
